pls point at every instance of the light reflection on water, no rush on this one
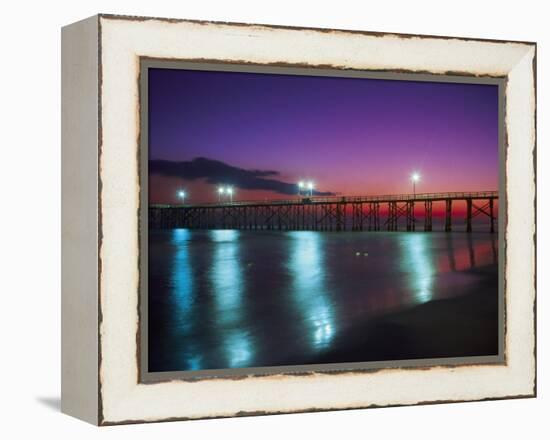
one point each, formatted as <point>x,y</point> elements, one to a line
<point>182,281</point>
<point>418,264</point>
<point>308,289</point>
<point>183,292</point>
<point>233,299</point>
<point>228,289</point>
<point>227,277</point>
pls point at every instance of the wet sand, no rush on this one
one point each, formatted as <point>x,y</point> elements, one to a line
<point>465,325</point>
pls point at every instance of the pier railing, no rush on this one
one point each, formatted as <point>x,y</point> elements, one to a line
<point>421,197</point>
<point>324,212</point>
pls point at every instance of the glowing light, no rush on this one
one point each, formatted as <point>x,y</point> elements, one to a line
<point>229,190</point>
<point>221,189</point>
<point>415,177</point>
<point>310,185</point>
<point>301,184</point>
<point>181,194</point>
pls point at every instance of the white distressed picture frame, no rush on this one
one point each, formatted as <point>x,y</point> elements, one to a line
<point>101,205</point>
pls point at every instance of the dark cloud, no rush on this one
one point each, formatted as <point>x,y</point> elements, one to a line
<point>217,172</point>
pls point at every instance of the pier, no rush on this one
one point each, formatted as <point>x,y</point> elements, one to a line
<point>334,213</point>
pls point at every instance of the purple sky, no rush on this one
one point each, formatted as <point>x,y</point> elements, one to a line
<point>350,136</point>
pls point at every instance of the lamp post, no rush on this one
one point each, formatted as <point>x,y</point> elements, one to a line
<point>221,190</point>
<point>181,196</point>
<point>301,185</point>
<point>310,186</point>
<point>229,191</point>
<point>415,178</point>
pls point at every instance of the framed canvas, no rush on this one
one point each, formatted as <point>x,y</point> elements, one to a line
<point>262,219</point>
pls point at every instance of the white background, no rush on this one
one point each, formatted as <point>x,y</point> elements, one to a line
<point>30,217</point>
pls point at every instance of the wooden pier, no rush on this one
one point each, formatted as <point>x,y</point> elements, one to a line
<point>335,213</point>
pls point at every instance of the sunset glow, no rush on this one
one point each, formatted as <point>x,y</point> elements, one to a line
<point>274,136</point>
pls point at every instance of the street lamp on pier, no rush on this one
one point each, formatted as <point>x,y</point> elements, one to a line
<point>181,195</point>
<point>301,185</point>
<point>229,191</point>
<point>310,187</point>
<point>415,178</point>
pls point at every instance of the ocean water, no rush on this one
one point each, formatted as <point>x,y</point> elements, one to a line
<point>235,299</point>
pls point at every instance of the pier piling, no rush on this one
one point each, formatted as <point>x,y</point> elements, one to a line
<point>357,213</point>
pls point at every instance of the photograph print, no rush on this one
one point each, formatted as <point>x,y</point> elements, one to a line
<point>309,219</point>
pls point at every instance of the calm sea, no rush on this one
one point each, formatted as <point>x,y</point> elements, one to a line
<point>233,299</point>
